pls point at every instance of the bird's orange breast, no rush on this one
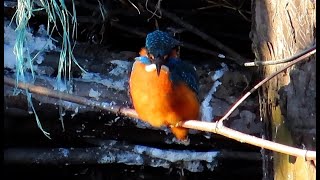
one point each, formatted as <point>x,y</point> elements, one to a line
<point>159,101</point>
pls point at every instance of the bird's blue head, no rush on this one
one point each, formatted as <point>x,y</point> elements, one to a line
<point>159,45</point>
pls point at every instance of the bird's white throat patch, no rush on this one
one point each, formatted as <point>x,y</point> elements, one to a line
<point>150,68</point>
<point>153,67</point>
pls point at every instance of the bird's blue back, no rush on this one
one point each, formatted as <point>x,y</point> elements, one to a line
<point>181,71</point>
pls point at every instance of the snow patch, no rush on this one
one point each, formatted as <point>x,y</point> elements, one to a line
<point>130,159</point>
<point>9,57</point>
<point>126,158</point>
<point>107,159</point>
<point>58,85</point>
<point>190,159</point>
<point>120,84</point>
<point>176,155</point>
<point>94,94</point>
<point>34,44</point>
<point>105,104</point>
<point>40,59</point>
<point>221,56</point>
<point>206,109</point>
<point>141,124</point>
<point>106,81</point>
<point>207,113</point>
<point>122,67</point>
<point>219,73</point>
<point>115,79</point>
<point>64,152</point>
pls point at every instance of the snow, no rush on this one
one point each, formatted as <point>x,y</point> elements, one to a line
<point>219,73</point>
<point>115,79</point>
<point>221,56</point>
<point>126,158</point>
<point>105,104</point>
<point>88,76</point>
<point>40,59</point>
<point>176,155</point>
<point>64,152</point>
<point>207,113</point>
<point>9,57</point>
<point>193,161</point>
<point>119,84</point>
<point>71,106</point>
<point>40,41</point>
<point>107,159</point>
<point>104,80</point>
<point>206,109</point>
<point>9,40</point>
<point>94,94</point>
<point>190,159</point>
<point>122,66</point>
<point>137,159</point>
<point>34,43</point>
<point>141,124</point>
<point>57,85</point>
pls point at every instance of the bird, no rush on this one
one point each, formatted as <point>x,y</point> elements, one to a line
<point>163,88</point>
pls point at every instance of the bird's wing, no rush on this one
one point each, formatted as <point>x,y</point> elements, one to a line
<point>181,71</point>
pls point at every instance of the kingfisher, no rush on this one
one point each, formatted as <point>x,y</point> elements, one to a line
<point>163,88</point>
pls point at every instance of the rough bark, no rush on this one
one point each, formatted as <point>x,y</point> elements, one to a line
<point>281,29</point>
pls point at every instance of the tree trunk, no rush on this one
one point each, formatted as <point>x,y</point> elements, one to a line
<point>280,29</point>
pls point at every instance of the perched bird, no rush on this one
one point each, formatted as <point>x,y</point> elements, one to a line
<point>163,88</point>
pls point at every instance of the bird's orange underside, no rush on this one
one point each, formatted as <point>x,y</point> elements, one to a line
<point>160,102</point>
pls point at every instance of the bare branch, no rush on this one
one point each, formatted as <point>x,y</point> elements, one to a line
<point>71,98</point>
<point>218,128</point>
<point>304,54</point>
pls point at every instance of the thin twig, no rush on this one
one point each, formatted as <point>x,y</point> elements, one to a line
<point>296,60</point>
<point>240,60</point>
<point>306,53</point>
<point>155,11</point>
<point>134,6</point>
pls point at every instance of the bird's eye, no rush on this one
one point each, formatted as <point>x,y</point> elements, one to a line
<point>151,57</point>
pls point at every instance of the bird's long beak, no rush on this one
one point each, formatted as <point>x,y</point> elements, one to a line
<point>159,62</point>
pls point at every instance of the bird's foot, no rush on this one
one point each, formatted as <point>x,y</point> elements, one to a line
<point>175,125</point>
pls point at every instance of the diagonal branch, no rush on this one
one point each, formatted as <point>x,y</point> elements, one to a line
<point>217,128</point>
